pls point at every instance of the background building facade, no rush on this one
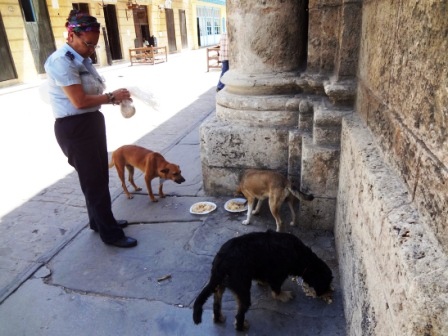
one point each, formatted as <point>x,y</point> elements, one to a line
<point>30,30</point>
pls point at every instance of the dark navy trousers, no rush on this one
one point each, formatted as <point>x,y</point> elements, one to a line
<point>82,139</point>
<point>224,69</point>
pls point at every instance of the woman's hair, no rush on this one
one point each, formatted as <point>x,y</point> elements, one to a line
<point>79,22</point>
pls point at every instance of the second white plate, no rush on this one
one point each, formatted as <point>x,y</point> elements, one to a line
<point>230,205</point>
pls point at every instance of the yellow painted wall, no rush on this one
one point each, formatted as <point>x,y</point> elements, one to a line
<point>194,28</point>
<point>20,47</point>
<point>18,41</point>
<point>125,21</point>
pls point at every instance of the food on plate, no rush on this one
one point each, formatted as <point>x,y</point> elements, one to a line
<point>202,207</point>
<point>236,205</point>
<point>308,291</point>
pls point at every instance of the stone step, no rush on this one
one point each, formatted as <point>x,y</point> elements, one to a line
<point>319,168</point>
<point>341,92</point>
<point>327,120</point>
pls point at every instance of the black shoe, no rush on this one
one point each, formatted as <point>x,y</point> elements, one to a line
<point>124,242</point>
<point>121,223</point>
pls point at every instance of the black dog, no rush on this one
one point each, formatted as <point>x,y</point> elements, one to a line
<point>269,257</point>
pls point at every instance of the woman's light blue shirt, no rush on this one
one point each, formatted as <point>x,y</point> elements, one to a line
<point>66,67</point>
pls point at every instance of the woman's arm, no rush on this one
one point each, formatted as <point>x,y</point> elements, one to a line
<point>80,100</point>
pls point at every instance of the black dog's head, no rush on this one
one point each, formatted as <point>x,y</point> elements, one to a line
<point>313,270</point>
<point>318,275</point>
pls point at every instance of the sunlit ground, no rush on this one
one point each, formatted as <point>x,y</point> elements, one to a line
<point>31,158</point>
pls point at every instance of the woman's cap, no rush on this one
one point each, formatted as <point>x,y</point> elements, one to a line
<point>79,22</point>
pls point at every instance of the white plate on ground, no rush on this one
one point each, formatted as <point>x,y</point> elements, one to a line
<point>229,205</point>
<point>202,208</point>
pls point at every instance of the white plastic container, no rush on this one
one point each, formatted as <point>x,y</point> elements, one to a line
<point>127,108</point>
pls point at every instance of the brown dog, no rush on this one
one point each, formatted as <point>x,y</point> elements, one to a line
<point>153,164</point>
<point>262,184</point>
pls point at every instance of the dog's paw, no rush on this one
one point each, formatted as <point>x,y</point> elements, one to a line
<point>138,189</point>
<point>280,229</point>
<point>130,197</point>
<point>219,319</point>
<point>284,296</point>
<point>154,200</point>
<point>245,222</point>
<point>244,327</point>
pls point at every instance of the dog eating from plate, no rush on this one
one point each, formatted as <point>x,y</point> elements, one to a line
<point>257,185</point>
<point>268,257</point>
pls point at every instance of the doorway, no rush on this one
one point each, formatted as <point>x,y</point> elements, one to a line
<point>38,31</point>
<point>171,32</point>
<point>8,70</point>
<point>113,36</point>
<point>141,26</point>
<point>183,28</point>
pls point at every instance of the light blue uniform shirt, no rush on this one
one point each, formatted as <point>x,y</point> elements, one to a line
<point>66,67</point>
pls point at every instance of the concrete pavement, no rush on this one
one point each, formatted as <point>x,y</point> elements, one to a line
<point>58,278</point>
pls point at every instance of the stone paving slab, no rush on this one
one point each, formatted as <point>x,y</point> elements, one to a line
<point>68,313</point>
<point>57,278</point>
<point>116,291</point>
<point>40,226</point>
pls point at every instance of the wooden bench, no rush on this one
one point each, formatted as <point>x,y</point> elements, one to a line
<point>213,58</point>
<point>148,55</point>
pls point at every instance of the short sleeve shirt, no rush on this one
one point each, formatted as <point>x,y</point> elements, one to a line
<point>66,67</point>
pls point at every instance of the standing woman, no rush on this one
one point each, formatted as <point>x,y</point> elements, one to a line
<point>76,95</point>
<point>223,58</point>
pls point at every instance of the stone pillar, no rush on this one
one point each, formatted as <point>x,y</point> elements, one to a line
<point>267,47</point>
<point>266,114</point>
<point>266,36</point>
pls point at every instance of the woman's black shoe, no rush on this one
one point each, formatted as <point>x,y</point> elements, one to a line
<point>121,223</point>
<point>124,242</point>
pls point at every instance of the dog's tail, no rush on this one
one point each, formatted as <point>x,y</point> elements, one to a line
<point>203,296</point>
<point>200,301</point>
<point>301,196</point>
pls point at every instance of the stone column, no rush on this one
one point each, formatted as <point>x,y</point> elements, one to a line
<point>258,107</point>
<point>266,36</point>
<point>265,116</point>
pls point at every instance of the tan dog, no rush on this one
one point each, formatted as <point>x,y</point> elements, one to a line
<point>262,184</point>
<point>153,164</point>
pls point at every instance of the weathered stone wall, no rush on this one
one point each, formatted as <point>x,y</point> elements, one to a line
<point>393,270</point>
<point>323,31</point>
<point>392,205</point>
<point>403,97</point>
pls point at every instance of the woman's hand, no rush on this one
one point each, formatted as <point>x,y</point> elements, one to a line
<point>120,95</point>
